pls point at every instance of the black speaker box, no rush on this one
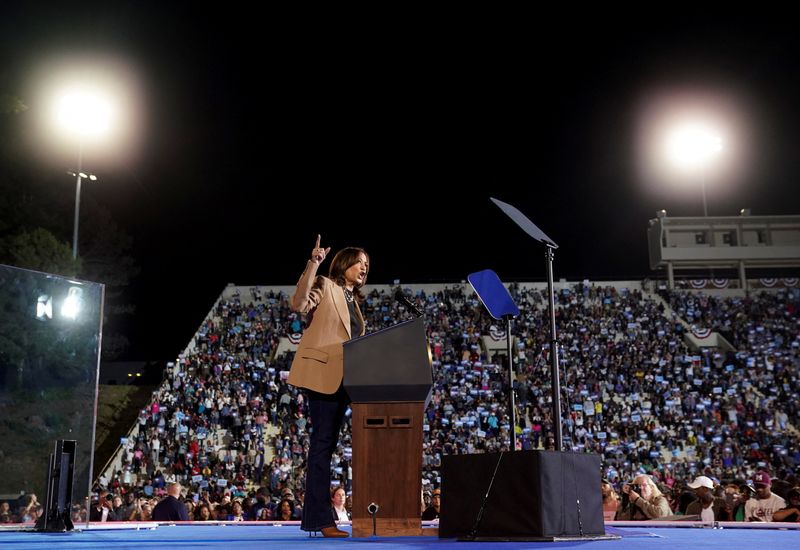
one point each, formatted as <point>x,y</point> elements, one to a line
<point>535,495</point>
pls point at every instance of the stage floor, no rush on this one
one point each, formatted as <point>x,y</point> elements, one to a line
<point>260,536</point>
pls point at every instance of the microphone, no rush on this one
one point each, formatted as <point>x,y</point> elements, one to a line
<point>400,297</point>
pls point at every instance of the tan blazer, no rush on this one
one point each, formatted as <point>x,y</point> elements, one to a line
<point>319,361</point>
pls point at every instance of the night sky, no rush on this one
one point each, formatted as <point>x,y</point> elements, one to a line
<point>391,131</point>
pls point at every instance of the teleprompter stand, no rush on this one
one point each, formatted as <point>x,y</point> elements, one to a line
<point>522,495</point>
<point>528,226</point>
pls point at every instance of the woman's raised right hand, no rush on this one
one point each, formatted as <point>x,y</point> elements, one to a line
<point>319,253</point>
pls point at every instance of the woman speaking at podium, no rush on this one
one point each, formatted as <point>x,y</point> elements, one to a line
<point>334,316</point>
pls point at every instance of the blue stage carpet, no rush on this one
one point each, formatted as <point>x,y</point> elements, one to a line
<point>243,537</point>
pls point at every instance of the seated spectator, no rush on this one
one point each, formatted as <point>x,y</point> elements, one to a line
<point>202,512</point>
<point>262,495</point>
<point>142,511</point>
<point>734,501</point>
<point>118,508</point>
<point>791,513</point>
<point>707,506</point>
<point>338,498</point>
<point>765,503</point>
<point>610,500</point>
<point>27,508</point>
<point>189,503</point>
<point>221,511</point>
<point>171,508</point>
<point>297,510</point>
<point>128,507</point>
<point>146,512</point>
<point>237,512</point>
<point>646,503</point>
<point>5,513</point>
<point>286,511</point>
<point>432,511</point>
<point>78,515</point>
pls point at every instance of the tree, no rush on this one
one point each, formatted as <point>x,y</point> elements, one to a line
<point>11,104</point>
<point>41,251</point>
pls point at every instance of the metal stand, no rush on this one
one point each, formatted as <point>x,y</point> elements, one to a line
<point>554,372</point>
<point>530,228</point>
<point>58,501</point>
<point>511,405</point>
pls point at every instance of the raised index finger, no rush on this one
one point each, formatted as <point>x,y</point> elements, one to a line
<point>317,245</point>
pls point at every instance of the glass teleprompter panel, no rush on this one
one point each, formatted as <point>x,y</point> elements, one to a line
<point>50,335</point>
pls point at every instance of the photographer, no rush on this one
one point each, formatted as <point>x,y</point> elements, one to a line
<point>644,500</point>
<point>103,508</point>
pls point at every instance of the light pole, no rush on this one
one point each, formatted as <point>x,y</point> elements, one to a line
<point>80,176</point>
<point>78,202</point>
<point>702,187</point>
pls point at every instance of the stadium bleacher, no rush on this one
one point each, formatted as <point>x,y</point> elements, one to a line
<point>641,387</point>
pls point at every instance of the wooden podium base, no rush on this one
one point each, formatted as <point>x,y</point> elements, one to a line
<point>391,527</point>
<point>387,461</point>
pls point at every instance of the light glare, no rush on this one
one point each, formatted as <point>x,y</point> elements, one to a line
<point>84,112</point>
<point>54,87</point>
<point>72,303</point>
<point>44,307</point>
<point>671,174</point>
<point>692,145</point>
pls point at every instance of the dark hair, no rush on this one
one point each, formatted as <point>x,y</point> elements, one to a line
<point>199,508</point>
<point>291,508</point>
<point>344,260</point>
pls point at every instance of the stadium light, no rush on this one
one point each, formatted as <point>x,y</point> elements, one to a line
<point>692,146</point>
<point>84,111</point>
<point>86,114</point>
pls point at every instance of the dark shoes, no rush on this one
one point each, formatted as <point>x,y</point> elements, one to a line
<point>334,532</point>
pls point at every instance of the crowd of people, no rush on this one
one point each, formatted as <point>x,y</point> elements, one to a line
<point>227,426</point>
<point>761,499</point>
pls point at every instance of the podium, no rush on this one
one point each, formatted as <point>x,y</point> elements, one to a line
<point>387,375</point>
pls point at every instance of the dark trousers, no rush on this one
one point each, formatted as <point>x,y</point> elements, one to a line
<point>326,413</point>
